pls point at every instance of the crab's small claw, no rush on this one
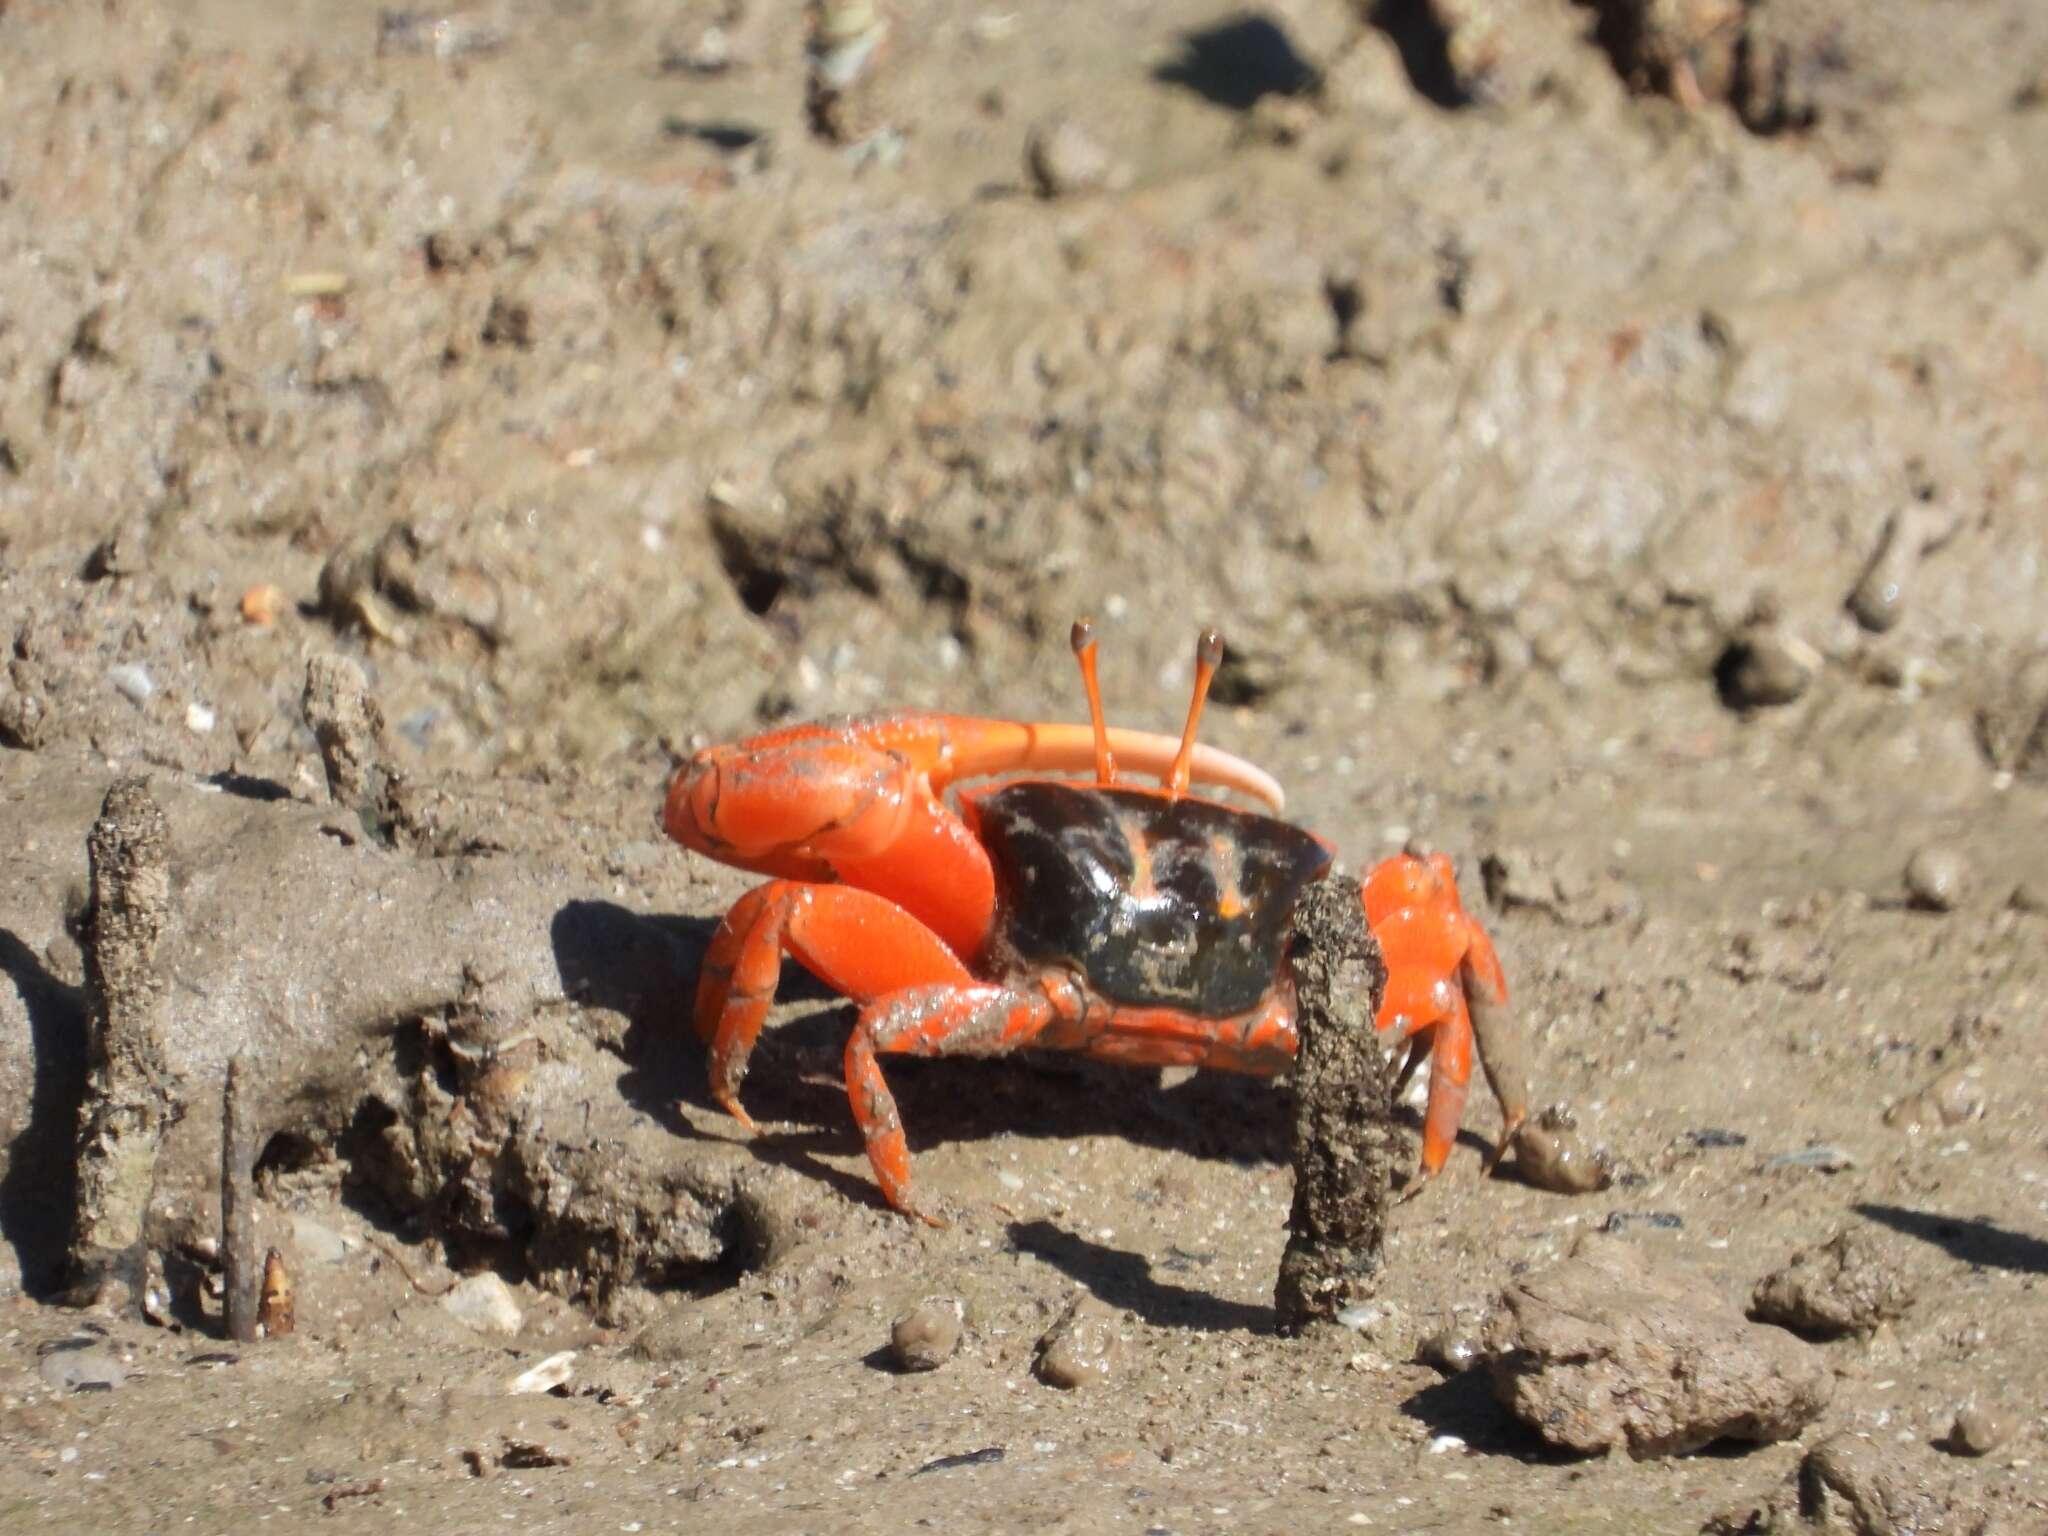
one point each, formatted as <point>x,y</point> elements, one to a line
<point>1446,995</point>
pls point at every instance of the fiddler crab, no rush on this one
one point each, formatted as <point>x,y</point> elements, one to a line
<point>1132,923</point>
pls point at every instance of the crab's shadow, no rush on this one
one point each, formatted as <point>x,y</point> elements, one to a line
<point>796,1090</point>
<point>1130,1281</point>
<point>646,968</point>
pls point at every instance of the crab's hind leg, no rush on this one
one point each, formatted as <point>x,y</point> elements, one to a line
<point>968,1019</point>
<point>854,941</point>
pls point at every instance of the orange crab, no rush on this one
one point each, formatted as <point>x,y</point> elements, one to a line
<point>1131,923</point>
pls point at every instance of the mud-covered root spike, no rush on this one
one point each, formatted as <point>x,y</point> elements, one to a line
<point>1084,652</point>
<point>1208,657</point>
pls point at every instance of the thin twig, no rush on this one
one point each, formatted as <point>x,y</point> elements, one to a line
<point>243,1268</point>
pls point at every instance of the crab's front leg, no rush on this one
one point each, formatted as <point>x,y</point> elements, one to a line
<point>854,941</point>
<point>1443,974</point>
<point>974,1019</point>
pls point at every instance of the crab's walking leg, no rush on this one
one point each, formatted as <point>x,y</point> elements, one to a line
<point>1261,1042</point>
<point>1503,1053</point>
<point>969,1019</point>
<point>854,941</point>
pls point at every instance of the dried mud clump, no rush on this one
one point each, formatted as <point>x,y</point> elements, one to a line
<point>1344,1137</point>
<point>1848,1484</point>
<point>1608,1350</point>
<point>452,1136</point>
<point>1703,51</point>
<point>1848,1284</point>
<point>1084,1346</point>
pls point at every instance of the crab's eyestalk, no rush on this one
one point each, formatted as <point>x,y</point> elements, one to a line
<point>1208,657</point>
<point>1084,652</point>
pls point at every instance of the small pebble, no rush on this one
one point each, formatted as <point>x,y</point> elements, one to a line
<point>1822,1159</point>
<point>262,604</point>
<point>1453,1351</point>
<point>1937,878</point>
<point>1063,160</point>
<point>156,1292</point>
<point>132,681</point>
<point>199,718</point>
<point>1950,1100</point>
<point>1081,1347</point>
<point>2030,896</point>
<point>1654,1221</point>
<point>1374,1319</point>
<point>1712,1138</point>
<point>1978,1431</point>
<point>927,1336</point>
<point>78,1365</point>
<point>485,1303</point>
<point>551,1373</point>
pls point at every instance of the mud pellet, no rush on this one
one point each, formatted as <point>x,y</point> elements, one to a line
<point>1080,1348</point>
<point>1063,160</point>
<point>1978,1431</point>
<point>1879,597</point>
<point>928,1335</point>
<point>1937,878</point>
<point>1550,1154</point>
<point>1951,1099</point>
<point>1452,1351</point>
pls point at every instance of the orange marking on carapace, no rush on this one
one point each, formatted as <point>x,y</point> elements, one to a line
<point>1229,899</point>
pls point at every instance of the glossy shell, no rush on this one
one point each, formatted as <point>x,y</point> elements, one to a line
<point>1157,902</point>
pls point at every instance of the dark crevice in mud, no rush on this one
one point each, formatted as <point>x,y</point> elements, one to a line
<point>286,1154</point>
<point>758,584</point>
<point>39,1191</point>
<point>248,786</point>
<point>1619,32</point>
<point>1419,35</point>
<point>727,136</point>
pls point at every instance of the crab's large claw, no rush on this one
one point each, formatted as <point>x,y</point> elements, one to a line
<point>800,802</point>
<point>1442,970</point>
<point>860,801</point>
